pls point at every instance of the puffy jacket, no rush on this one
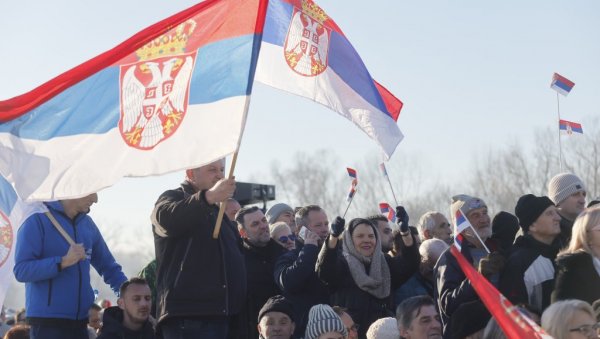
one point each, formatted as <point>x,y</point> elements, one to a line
<point>112,327</point>
<point>66,293</point>
<point>528,276</point>
<point>296,277</point>
<point>576,278</point>
<point>196,275</point>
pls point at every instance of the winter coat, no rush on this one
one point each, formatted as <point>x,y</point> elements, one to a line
<point>365,309</point>
<point>52,292</point>
<point>296,277</point>
<point>576,278</point>
<point>196,275</point>
<point>528,276</point>
<point>260,264</point>
<point>112,327</point>
<point>566,229</point>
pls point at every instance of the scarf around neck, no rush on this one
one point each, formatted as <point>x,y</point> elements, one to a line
<point>378,281</point>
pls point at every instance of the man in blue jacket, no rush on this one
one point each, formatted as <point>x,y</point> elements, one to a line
<point>56,274</point>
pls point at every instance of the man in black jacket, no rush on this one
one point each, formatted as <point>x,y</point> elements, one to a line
<point>129,320</point>
<point>201,281</point>
<point>260,253</point>
<point>295,270</point>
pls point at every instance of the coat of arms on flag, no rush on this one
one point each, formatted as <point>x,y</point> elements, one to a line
<point>307,42</point>
<point>155,89</point>
<point>6,238</point>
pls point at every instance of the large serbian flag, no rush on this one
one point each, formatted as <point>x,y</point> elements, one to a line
<point>173,96</point>
<point>305,53</point>
<point>13,212</point>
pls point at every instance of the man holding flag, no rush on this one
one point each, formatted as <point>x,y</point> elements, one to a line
<point>452,286</point>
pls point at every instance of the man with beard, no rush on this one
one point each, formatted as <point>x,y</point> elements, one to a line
<point>452,286</point>
<point>129,319</point>
<point>260,253</point>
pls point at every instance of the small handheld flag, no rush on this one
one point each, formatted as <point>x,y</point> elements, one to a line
<point>351,172</point>
<point>352,191</point>
<point>461,224</point>
<point>570,127</point>
<point>561,84</point>
<point>389,212</point>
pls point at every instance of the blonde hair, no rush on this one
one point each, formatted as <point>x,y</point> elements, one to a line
<point>589,218</point>
<point>278,226</point>
<point>556,318</point>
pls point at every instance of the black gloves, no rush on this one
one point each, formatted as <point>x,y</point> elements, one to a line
<point>337,227</point>
<point>402,218</point>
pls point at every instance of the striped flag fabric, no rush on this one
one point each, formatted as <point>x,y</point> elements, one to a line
<point>353,176</point>
<point>351,173</point>
<point>570,127</point>
<point>461,223</point>
<point>149,106</point>
<point>561,84</point>
<point>388,211</point>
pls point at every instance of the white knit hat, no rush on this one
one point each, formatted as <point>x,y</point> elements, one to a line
<point>563,185</point>
<point>384,328</point>
<point>322,319</point>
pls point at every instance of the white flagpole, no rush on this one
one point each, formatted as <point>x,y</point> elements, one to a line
<point>560,162</point>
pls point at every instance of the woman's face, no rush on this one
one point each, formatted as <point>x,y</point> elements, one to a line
<point>581,326</point>
<point>364,239</point>
<point>285,238</point>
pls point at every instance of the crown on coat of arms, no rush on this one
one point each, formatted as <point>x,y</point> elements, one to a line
<point>314,11</point>
<point>171,43</point>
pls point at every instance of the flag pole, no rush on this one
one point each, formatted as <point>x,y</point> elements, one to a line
<point>349,203</point>
<point>390,183</point>
<point>559,140</point>
<point>223,203</point>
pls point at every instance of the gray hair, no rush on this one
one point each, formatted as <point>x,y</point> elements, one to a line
<point>556,318</point>
<point>431,249</point>
<point>427,222</point>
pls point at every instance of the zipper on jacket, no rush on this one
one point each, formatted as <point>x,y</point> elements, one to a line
<point>49,292</point>
<point>187,249</point>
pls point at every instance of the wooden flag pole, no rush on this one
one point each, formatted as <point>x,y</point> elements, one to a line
<point>223,203</point>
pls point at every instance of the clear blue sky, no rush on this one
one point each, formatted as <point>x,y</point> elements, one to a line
<point>473,75</point>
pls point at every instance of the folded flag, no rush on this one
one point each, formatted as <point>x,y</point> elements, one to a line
<point>561,84</point>
<point>304,52</point>
<point>388,211</point>
<point>149,106</point>
<point>569,127</point>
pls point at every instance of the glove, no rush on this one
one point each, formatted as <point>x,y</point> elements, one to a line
<point>402,218</point>
<point>337,227</point>
<point>491,264</point>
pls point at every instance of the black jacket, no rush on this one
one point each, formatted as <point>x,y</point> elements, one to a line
<point>196,275</point>
<point>452,286</point>
<point>112,327</point>
<point>296,277</point>
<point>365,309</point>
<point>576,278</point>
<point>528,276</point>
<point>260,264</point>
<point>566,229</point>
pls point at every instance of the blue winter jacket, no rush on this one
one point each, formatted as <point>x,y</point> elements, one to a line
<point>67,293</point>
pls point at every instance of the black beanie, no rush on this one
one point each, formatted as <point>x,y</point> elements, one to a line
<point>277,303</point>
<point>529,208</point>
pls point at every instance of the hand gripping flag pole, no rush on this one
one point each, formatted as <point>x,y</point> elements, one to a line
<point>385,174</point>
<point>352,192</point>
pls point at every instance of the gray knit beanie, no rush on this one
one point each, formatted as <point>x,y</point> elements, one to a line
<point>563,185</point>
<point>466,204</point>
<point>384,328</point>
<point>322,319</point>
<point>276,210</point>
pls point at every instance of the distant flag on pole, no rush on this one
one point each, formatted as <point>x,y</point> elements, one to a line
<point>383,170</point>
<point>561,84</point>
<point>353,176</point>
<point>386,209</point>
<point>569,127</point>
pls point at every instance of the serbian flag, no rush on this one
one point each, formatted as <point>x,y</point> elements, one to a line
<point>173,96</point>
<point>561,84</point>
<point>569,127</point>
<point>461,222</point>
<point>514,323</point>
<point>351,173</point>
<point>388,211</point>
<point>305,53</point>
<point>354,183</point>
<point>13,212</point>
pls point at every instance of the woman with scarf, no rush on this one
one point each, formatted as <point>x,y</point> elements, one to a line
<point>360,276</point>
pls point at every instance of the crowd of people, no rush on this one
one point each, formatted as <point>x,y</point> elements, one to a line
<point>299,273</point>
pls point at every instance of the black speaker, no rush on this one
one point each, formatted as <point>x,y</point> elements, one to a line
<point>247,193</point>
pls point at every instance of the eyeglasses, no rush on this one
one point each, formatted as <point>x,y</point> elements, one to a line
<point>284,238</point>
<point>587,330</point>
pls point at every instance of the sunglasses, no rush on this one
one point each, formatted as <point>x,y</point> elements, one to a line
<point>290,237</point>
